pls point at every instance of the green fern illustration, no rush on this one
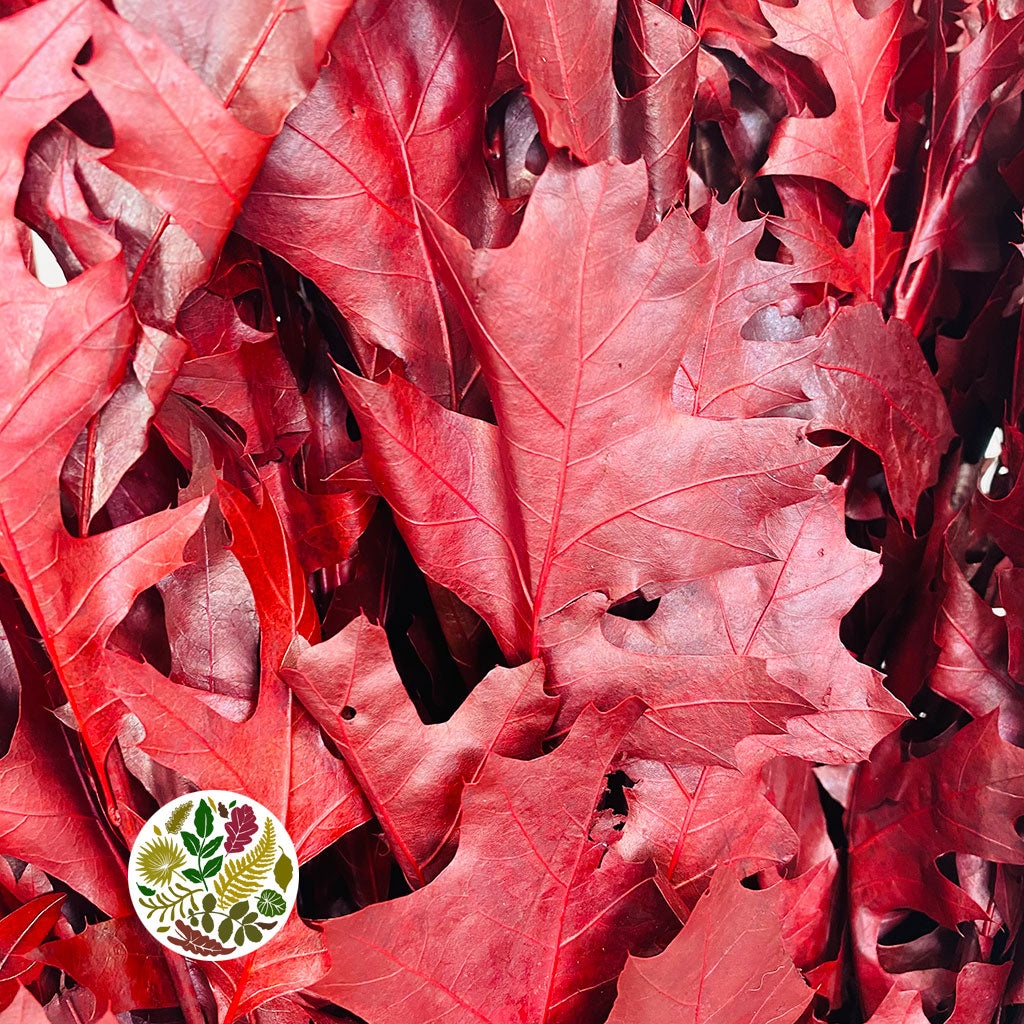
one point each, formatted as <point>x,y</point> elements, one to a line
<point>243,876</point>
<point>170,900</point>
<point>178,817</point>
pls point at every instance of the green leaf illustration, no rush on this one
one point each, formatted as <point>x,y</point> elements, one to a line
<point>206,921</point>
<point>146,891</point>
<point>176,899</point>
<point>271,903</point>
<point>243,876</point>
<point>239,910</point>
<point>209,901</point>
<point>251,933</point>
<point>177,817</point>
<point>203,820</point>
<point>192,875</point>
<point>210,868</point>
<point>211,847</point>
<point>283,871</point>
<point>224,931</point>
<point>191,842</point>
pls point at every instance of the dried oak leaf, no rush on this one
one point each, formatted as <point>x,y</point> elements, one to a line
<point>412,773</point>
<point>277,754</point>
<point>118,961</point>
<point>259,58</point>
<point>963,797</point>
<point>394,116</point>
<point>529,896</point>
<point>563,51</point>
<point>727,963</point>
<point>591,480</point>
<point>291,961</point>
<point>788,612</point>
<point>20,932</point>
<point>854,147</point>
<point>68,349</point>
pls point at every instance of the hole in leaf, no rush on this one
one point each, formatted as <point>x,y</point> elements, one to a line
<point>348,712</point>
<point>946,863</point>
<point>614,796</point>
<point>851,218</point>
<point>88,120</point>
<point>44,264</point>
<point>635,608</point>
<point>352,427</point>
<point>142,633</point>
<point>912,925</point>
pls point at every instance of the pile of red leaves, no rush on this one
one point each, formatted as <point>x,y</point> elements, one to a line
<point>564,459</point>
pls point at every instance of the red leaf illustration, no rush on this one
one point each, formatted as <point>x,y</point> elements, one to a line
<point>240,827</point>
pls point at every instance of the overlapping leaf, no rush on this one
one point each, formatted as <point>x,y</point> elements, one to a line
<point>529,895</point>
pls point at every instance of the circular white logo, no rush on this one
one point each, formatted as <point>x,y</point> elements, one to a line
<point>213,875</point>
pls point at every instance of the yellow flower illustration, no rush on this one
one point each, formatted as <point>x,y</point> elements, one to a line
<point>159,859</point>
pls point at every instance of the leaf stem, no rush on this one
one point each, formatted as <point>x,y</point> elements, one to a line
<point>236,1000</point>
<point>187,999</point>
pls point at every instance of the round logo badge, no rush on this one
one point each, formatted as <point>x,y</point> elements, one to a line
<point>213,875</point>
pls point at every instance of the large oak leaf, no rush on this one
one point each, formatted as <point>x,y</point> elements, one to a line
<point>412,773</point>
<point>591,480</point>
<point>529,896</point>
<point>393,117</point>
<point>727,964</point>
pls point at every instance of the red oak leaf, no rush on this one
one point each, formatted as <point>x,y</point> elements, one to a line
<point>854,147</point>
<point>292,960</point>
<point>987,70</point>
<point>259,60</point>
<point>787,612</point>
<point>692,820</point>
<point>727,963</point>
<point>20,932</point>
<point>62,837</point>
<point>972,667</point>
<point>386,123</point>
<point>164,117</point>
<point>722,373</point>
<point>963,797</point>
<point>24,1009</point>
<point>411,773</point>
<point>901,414</point>
<point>118,961</point>
<point>274,755</point>
<point>564,54</point>
<point>533,551</point>
<point>553,909</point>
